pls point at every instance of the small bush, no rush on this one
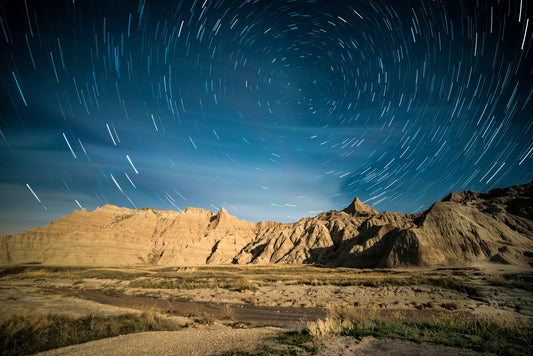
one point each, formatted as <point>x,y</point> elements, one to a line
<point>243,284</point>
<point>324,327</point>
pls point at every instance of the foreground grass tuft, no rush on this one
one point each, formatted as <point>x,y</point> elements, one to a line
<point>507,336</point>
<point>475,335</point>
<point>29,333</point>
<point>478,335</point>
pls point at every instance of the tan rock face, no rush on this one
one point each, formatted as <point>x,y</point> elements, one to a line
<point>357,208</point>
<point>465,227</point>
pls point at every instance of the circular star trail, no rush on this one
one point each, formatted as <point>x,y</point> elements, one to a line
<point>275,110</point>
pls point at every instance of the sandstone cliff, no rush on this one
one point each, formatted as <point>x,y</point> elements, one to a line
<point>463,228</point>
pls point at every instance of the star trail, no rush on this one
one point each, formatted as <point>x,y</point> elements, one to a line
<point>275,110</point>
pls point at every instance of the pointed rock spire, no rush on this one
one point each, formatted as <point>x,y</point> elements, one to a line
<point>222,212</point>
<point>357,208</point>
<point>223,218</point>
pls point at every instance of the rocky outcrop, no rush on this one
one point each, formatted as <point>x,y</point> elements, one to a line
<point>357,208</point>
<point>463,228</point>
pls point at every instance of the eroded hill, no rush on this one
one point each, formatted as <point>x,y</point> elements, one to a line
<point>463,228</point>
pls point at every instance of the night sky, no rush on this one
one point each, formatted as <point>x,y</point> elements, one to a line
<point>275,110</point>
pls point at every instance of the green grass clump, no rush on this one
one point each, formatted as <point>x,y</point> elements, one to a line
<point>300,339</point>
<point>30,333</point>
<point>476,335</point>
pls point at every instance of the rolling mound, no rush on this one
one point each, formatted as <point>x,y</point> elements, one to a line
<point>463,228</point>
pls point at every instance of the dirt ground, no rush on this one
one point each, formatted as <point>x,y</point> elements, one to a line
<point>216,340</point>
<point>217,319</point>
<point>370,346</point>
<point>194,341</point>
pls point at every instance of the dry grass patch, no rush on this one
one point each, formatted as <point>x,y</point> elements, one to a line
<point>244,277</point>
<point>53,272</point>
<point>192,282</point>
<point>207,277</point>
<point>27,333</point>
<point>478,335</point>
<point>504,337</point>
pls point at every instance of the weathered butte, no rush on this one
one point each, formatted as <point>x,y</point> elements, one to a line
<point>463,228</point>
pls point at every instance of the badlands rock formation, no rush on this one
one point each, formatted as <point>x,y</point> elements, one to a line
<point>463,228</point>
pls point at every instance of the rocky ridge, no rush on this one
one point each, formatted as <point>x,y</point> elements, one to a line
<point>463,228</point>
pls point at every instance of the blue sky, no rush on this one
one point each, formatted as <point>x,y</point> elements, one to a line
<point>275,110</point>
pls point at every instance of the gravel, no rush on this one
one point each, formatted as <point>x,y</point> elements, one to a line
<point>207,340</point>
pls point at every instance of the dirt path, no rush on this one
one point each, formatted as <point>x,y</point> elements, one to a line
<point>209,340</point>
<point>217,339</point>
<point>286,317</point>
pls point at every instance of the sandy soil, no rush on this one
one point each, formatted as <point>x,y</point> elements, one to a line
<point>209,340</point>
<point>370,346</point>
<point>215,340</point>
